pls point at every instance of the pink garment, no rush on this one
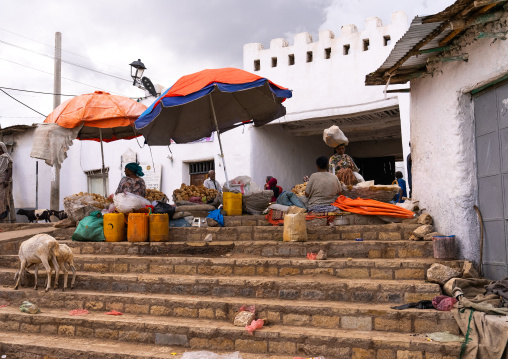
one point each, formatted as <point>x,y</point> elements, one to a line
<point>443,303</point>
<point>255,325</point>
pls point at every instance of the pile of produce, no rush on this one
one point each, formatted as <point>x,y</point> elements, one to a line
<point>185,193</point>
<point>155,195</point>
<point>92,199</point>
<point>299,189</point>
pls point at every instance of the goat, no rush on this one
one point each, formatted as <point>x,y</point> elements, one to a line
<point>41,248</point>
<point>35,214</point>
<point>65,256</point>
<point>59,214</point>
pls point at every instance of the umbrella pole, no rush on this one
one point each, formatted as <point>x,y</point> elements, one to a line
<point>103,168</point>
<point>220,143</point>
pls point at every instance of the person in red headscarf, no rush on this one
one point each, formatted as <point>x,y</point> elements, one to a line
<point>277,190</point>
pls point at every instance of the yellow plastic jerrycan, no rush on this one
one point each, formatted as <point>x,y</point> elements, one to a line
<point>158,227</point>
<point>114,227</point>
<point>232,203</point>
<point>137,227</point>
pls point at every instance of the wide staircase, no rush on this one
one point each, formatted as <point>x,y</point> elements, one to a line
<point>183,296</point>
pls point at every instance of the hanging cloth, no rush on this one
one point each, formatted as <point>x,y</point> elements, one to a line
<point>371,207</point>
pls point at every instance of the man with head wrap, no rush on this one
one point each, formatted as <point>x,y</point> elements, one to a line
<point>132,182</point>
<point>5,181</point>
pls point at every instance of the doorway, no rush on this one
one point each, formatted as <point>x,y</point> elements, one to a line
<point>491,137</point>
<point>198,171</point>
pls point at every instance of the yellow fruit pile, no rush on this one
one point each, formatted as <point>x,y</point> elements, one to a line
<point>186,192</point>
<point>155,195</point>
<point>299,189</point>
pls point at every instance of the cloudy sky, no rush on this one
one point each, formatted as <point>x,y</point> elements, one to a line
<point>172,38</point>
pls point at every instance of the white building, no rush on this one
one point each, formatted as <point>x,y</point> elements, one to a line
<point>459,123</point>
<point>327,79</point>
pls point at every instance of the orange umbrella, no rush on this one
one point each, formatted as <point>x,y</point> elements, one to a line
<point>100,114</point>
<point>104,118</point>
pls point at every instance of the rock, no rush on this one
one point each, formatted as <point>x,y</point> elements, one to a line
<point>425,219</point>
<point>414,238</point>
<point>410,220</point>
<point>428,236</point>
<point>243,318</point>
<point>438,273</point>
<point>65,223</point>
<point>421,231</point>
<point>212,222</point>
<point>448,287</point>
<point>468,271</point>
<point>321,255</point>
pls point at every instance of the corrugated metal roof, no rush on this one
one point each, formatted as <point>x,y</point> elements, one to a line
<point>432,29</point>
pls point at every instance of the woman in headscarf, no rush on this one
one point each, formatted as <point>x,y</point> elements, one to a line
<point>132,182</point>
<point>5,181</point>
<point>272,185</point>
<point>344,166</point>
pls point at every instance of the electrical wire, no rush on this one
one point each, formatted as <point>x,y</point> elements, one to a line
<point>65,61</point>
<point>65,78</point>
<point>52,46</point>
<point>40,92</point>
<point>22,103</point>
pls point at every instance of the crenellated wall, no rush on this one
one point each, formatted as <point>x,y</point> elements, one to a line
<point>334,76</point>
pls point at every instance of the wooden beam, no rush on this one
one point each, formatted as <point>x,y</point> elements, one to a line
<point>399,90</point>
<point>464,57</point>
<point>449,37</point>
<point>434,49</point>
<point>492,35</point>
<point>481,3</point>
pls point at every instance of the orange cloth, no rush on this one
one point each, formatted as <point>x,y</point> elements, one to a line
<point>371,207</point>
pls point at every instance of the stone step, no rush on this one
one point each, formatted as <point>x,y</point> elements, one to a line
<point>392,231</point>
<point>292,288</point>
<point>204,334</point>
<point>267,249</point>
<point>412,268</point>
<point>310,314</point>
<point>44,346</point>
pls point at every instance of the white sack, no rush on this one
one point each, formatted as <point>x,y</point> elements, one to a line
<point>334,137</point>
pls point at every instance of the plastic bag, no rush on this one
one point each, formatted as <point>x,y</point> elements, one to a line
<point>255,325</point>
<point>78,207</point>
<point>295,228</point>
<point>334,137</point>
<point>244,184</point>
<point>161,207</point>
<point>90,229</point>
<point>128,202</point>
<point>28,307</point>
<point>210,355</point>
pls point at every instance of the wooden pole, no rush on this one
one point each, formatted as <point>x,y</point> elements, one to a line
<point>218,137</point>
<point>54,202</point>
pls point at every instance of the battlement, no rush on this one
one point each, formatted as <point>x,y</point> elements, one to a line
<point>350,44</point>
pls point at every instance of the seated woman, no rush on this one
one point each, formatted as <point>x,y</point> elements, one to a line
<point>132,182</point>
<point>272,185</point>
<point>344,166</point>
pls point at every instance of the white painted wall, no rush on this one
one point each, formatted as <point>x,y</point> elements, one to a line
<point>442,139</point>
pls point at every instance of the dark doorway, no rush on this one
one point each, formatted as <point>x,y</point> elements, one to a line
<point>379,169</point>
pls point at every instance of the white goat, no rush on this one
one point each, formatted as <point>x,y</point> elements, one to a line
<point>41,248</point>
<point>65,256</point>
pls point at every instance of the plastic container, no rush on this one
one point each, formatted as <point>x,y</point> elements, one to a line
<point>158,227</point>
<point>232,203</point>
<point>444,247</point>
<point>295,228</point>
<point>114,227</point>
<point>137,227</point>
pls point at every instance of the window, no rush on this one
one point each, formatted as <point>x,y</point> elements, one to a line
<point>328,53</point>
<point>257,65</point>
<point>95,182</point>
<point>309,56</point>
<point>201,167</point>
<point>291,59</point>
<point>386,40</point>
<point>366,44</point>
<point>346,49</point>
<point>274,62</point>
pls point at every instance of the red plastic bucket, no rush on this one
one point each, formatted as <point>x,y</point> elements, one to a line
<point>444,247</point>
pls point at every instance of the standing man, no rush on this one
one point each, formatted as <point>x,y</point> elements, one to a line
<point>6,205</point>
<point>211,183</point>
